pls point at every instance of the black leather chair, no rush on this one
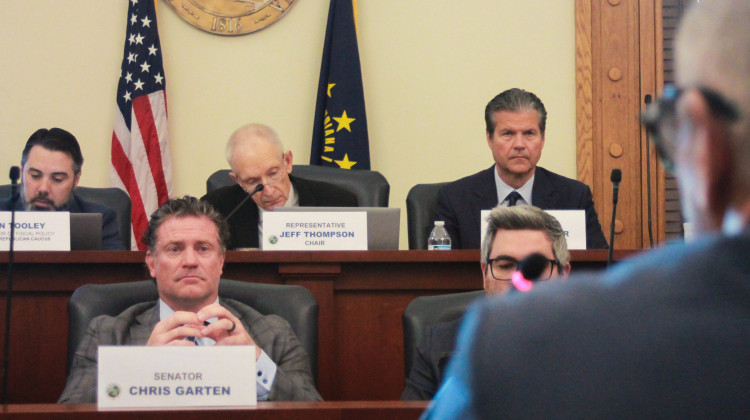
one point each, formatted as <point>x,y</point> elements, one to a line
<point>420,213</point>
<point>427,310</point>
<point>114,198</point>
<point>370,187</point>
<point>293,303</point>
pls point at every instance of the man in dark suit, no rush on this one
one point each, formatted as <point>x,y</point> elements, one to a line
<point>513,233</point>
<point>51,165</point>
<point>186,241</point>
<point>664,335</point>
<point>515,126</point>
<point>257,158</point>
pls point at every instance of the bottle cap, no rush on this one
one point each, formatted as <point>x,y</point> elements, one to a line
<point>439,223</point>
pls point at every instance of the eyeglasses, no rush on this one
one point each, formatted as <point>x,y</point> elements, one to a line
<point>503,267</point>
<point>272,180</point>
<point>660,119</point>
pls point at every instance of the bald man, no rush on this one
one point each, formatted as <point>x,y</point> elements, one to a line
<point>257,157</point>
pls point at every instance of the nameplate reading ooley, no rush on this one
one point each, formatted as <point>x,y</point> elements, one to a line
<point>36,231</point>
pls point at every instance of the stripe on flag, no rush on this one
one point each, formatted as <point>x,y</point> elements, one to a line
<point>140,153</point>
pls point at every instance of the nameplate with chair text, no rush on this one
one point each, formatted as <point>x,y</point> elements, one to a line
<point>176,377</point>
<point>573,223</point>
<point>314,231</point>
<point>36,231</point>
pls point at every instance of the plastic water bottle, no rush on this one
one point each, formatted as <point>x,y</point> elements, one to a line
<point>439,239</point>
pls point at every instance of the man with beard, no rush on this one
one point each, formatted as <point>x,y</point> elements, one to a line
<point>51,164</point>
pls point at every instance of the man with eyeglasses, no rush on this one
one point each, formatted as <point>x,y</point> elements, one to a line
<point>513,233</point>
<point>257,157</point>
<point>666,334</point>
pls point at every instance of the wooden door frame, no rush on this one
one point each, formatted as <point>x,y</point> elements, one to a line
<point>618,61</point>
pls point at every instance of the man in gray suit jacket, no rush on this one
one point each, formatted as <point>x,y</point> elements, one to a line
<point>665,335</point>
<point>515,122</point>
<point>186,241</point>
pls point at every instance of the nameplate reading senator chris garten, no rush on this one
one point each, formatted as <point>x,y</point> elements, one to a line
<point>141,377</point>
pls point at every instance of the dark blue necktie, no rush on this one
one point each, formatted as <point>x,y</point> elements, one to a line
<point>195,340</point>
<point>513,198</point>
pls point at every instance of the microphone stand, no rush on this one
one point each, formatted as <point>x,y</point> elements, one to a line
<point>258,188</point>
<point>15,173</point>
<point>648,180</point>
<point>616,177</point>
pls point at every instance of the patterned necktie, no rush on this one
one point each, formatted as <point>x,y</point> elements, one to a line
<point>513,198</point>
<point>195,340</point>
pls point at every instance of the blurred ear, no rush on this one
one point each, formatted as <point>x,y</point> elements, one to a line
<point>288,161</point>
<point>711,155</point>
<point>234,177</point>
<point>150,264</point>
<point>565,271</point>
<point>76,179</point>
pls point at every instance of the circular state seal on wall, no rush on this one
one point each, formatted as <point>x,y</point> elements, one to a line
<point>231,17</point>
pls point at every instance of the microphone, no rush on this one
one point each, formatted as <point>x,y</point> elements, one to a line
<point>529,271</point>
<point>615,177</point>
<point>15,174</point>
<point>258,188</point>
<point>647,99</point>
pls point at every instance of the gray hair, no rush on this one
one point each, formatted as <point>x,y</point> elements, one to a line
<point>251,133</point>
<point>526,218</point>
<point>514,100</point>
<point>713,51</point>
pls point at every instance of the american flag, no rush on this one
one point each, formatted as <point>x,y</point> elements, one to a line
<point>140,155</point>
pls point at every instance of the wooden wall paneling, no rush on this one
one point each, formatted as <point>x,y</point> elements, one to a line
<point>612,66</point>
<point>320,283</point>
<point>265,410</point>
<point>371,345</point>
<point>651,78</point>
<point>584,96</point>
<point>48,316</point>
<point>620,149</point>
<point>361,294</point>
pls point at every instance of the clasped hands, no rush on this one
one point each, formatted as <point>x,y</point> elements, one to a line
<point>226,331</point>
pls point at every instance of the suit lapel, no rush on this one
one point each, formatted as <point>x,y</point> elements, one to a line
<point>486,194</point>
<point>144,325</point>
<point>305,193</point>
<point>542,193</point>
<point>75,204</point>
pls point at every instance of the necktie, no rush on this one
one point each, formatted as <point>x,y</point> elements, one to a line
<point>513,198</point>
<point>195,340</point>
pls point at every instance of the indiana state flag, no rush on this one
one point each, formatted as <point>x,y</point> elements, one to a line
<point>340,129</point>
